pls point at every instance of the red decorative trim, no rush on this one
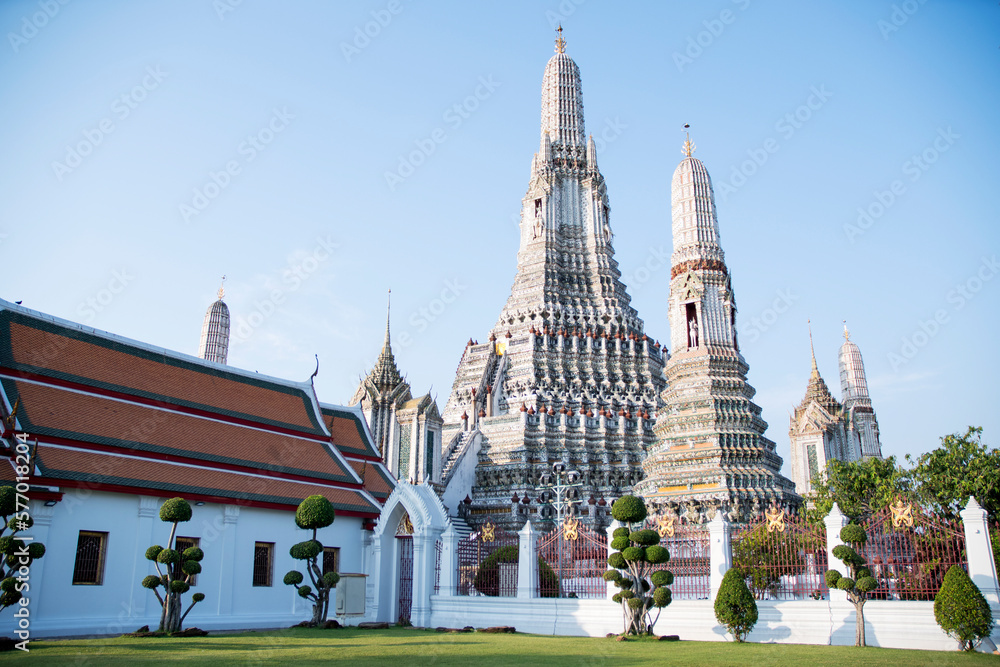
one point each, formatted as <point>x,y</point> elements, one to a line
<point>698,264</point>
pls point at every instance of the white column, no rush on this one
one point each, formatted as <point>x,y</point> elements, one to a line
<point>423,577</point>
<point>527,562</point>
<point>982,568</point>
<point>720,551</point>
<point>149,509</point>
<point>835,522</point>
<point>611,588</point>
<point>42,517</point>
<point>448,585</point>
<point>231,514</point>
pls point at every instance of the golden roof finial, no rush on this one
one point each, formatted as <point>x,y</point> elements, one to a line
<point>811,348</point>
<point>560,42</point>
<point>847,334</point>
<point>689,147</point>
<point>222,288</point>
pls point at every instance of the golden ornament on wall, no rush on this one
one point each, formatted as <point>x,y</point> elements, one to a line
<point>775,519</point>
<point>571,528</point>
<point>665,526</point>
<point>488,534</point>
<point>902,515</point>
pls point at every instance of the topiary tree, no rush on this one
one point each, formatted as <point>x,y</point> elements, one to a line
<point>487,579</point>
<point>860,582</point>
<point>178,568</point>
<point>314,512</point>
<point>735,607</point>
<point>16,552</point>
<point>637,551</point>
<point>961,610</point>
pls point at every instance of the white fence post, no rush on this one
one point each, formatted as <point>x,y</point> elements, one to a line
<point>527,562</point>
<point>982,568</point>
<point>611,588</point>
<point>720,551</point>
<point>448,583</point>
<point>835,522</point>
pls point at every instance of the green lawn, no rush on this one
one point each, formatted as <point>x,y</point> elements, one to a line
<point>399,647</point>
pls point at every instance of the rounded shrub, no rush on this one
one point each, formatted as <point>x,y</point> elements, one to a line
<point>961,610</point>
<point>314,512</point>
<point>293,578</point>
<point>612,575</point>
<point>629,509</point>
<point>645,537</point>
<point>487,579</point>
<point>867,584</point>
<point>657,554</point>
<point>620,543</point>
<point>617,597</point>
<point>845,583</point>
<point>20,524</point>
<point>36,550</point>
<point>331,579</point>
<point>178,586</point>
<point>191,567</point>
<point>634,553</point>
<point>625,583</point>
<point>832,577</point>
<point>661,597</point>
<point>153,551</point>
<point>151,582</point>
<point>6,545</point>
<point>620,532</point>
<point>735,607</point>
<point>193,553</point>
<point>662,578</point>
<point>305,591</point>
<point>167,556</point>
<point>9,598</point>
<point>8,500</point>
<point>306,550</point>
<point>852,533</point>
<point>616,560</point>
<point>9,584</point>
<point>627,594</point>
<point>848,555</point>
<point>197,597</point>
<point>636,603</point>
<point>175,510</point>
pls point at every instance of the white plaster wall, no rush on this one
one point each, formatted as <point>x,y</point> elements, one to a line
<point>121,604</point>
<point>888,624</point>
<point>463,476</point>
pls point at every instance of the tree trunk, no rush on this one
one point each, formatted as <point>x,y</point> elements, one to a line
<point>859,613</point>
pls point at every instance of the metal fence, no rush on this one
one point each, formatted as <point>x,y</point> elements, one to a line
<point>572,562</point>
<point>782,556</point>
<point>690,558</point>
<point>909,551</point>
<point>487,562</point>
<point>438,547</point>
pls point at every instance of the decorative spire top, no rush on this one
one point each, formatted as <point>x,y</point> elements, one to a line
<point>811,348</point>
<point>560,42</point>
<point>562,101</point>
<point>689,147</point>
<point>222,288</point>
<point>388,306</point>
<point>847,334</point>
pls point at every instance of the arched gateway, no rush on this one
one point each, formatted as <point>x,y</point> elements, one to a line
<point>402,554</point>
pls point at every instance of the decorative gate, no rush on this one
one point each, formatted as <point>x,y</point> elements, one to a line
<point>909,551</point>
<point>783,557</point>
<point>572,562</point>
<point>487,562</point>
<point>690,557</point>
<point>404,542</point>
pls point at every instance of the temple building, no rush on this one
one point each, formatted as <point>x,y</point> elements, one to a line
<point>710,451</point>
<point>406,430</point>
<point>567,374</point>
<point>214,344</point>
<point>823,429</point>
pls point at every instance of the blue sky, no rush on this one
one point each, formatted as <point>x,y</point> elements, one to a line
<point>320,153</point>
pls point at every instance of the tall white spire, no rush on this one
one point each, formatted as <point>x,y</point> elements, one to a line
<point>857,402</point>
<point>214,344</point>
<point>562,99</point>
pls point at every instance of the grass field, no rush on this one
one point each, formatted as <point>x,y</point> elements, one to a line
<point>399,647</point>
